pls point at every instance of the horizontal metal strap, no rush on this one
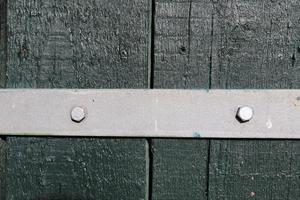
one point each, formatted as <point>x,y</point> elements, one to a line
<point>151,113</point>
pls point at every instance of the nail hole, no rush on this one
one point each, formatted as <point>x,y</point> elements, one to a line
<point>124,54</point>
<point>23,53</point>
<point>293,57</point>
<point>183,49</point>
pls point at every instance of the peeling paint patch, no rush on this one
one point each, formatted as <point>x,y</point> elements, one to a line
<point>196,135</point>
<point>269,124</point>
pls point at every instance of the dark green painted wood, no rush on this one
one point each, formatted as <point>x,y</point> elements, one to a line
<point>254,169</point>
<point>3,146</point>
<point>255,45</point>
<point>179,169</point>
<point>182,43</point>
<point>3,34</point>
<point>230,44</point>
<point>3,153</point>
<point>182,60</point>
<point>81,168</point>
<point>77,44</point>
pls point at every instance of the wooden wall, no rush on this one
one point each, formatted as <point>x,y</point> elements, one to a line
<point>183,44</point>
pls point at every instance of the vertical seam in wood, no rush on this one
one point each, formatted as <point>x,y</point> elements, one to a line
<point>3,188</point>
<point>211,50</point>
<point>207,169</point>
<point>5,170</point>
<point>150,169</point>
<point>189,29</point>
<point>290,168</point>
<point>209,87</point>
<point>151,45</point>
<point>3,176</point>
<point>187,65</point>
<point>151,63</point>
<point>4,40</point>
<point>146,170</point>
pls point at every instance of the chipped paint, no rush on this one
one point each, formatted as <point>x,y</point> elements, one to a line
<point>269,124</point>
<point>196,135</point>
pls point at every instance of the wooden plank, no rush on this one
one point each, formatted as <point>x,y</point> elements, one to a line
<point>254,169</point>
<point>179,169</point>
<point>182,60</point>
<point>77,44</point>
<point>3,158</point>
<point>81,168</point>
<point>256,45</point>
<point>248,44</point>
<point>182,43</point>
<point>3,37</point>
<point>3,146</point>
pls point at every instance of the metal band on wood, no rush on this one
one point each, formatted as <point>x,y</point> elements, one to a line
<point>151,113</point>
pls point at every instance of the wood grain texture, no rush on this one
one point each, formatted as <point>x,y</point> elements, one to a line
<point>179,169</point>
<point>244,44</point>
<point>181,60</point>
<point>81,168</point>
<point>3,43</point>
<point>227,44</point>
<point>3,158</point>
<point>3,145</point>
<point>254,169</point>
<point>77,44</point>
<point>182,43</point>
<point>255,45</point>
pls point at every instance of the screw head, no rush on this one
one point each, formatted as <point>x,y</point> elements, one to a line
<point>77,114</point>
<point>244,114</point>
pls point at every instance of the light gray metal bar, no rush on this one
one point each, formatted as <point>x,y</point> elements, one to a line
<point>151,113</point>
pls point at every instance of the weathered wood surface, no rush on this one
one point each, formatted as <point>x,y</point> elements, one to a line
<point>3,39</point>
<point>104,44</point>
<point>228,44</point>
<point>256,45</point>
<point>3,146</point>
<point>179,169</point>
<point>81,168</point>
<point>181,60</point>
<point>182,43</point>
<point>182,57</point>
<point>254,169</point>
<point>77,44</point>
<point>3,152</point>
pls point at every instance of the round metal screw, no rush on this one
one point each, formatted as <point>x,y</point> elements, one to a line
<point>77,114</point>
<point>244,114</point>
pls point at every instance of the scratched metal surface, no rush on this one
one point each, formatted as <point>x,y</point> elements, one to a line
<point>151,113</point>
